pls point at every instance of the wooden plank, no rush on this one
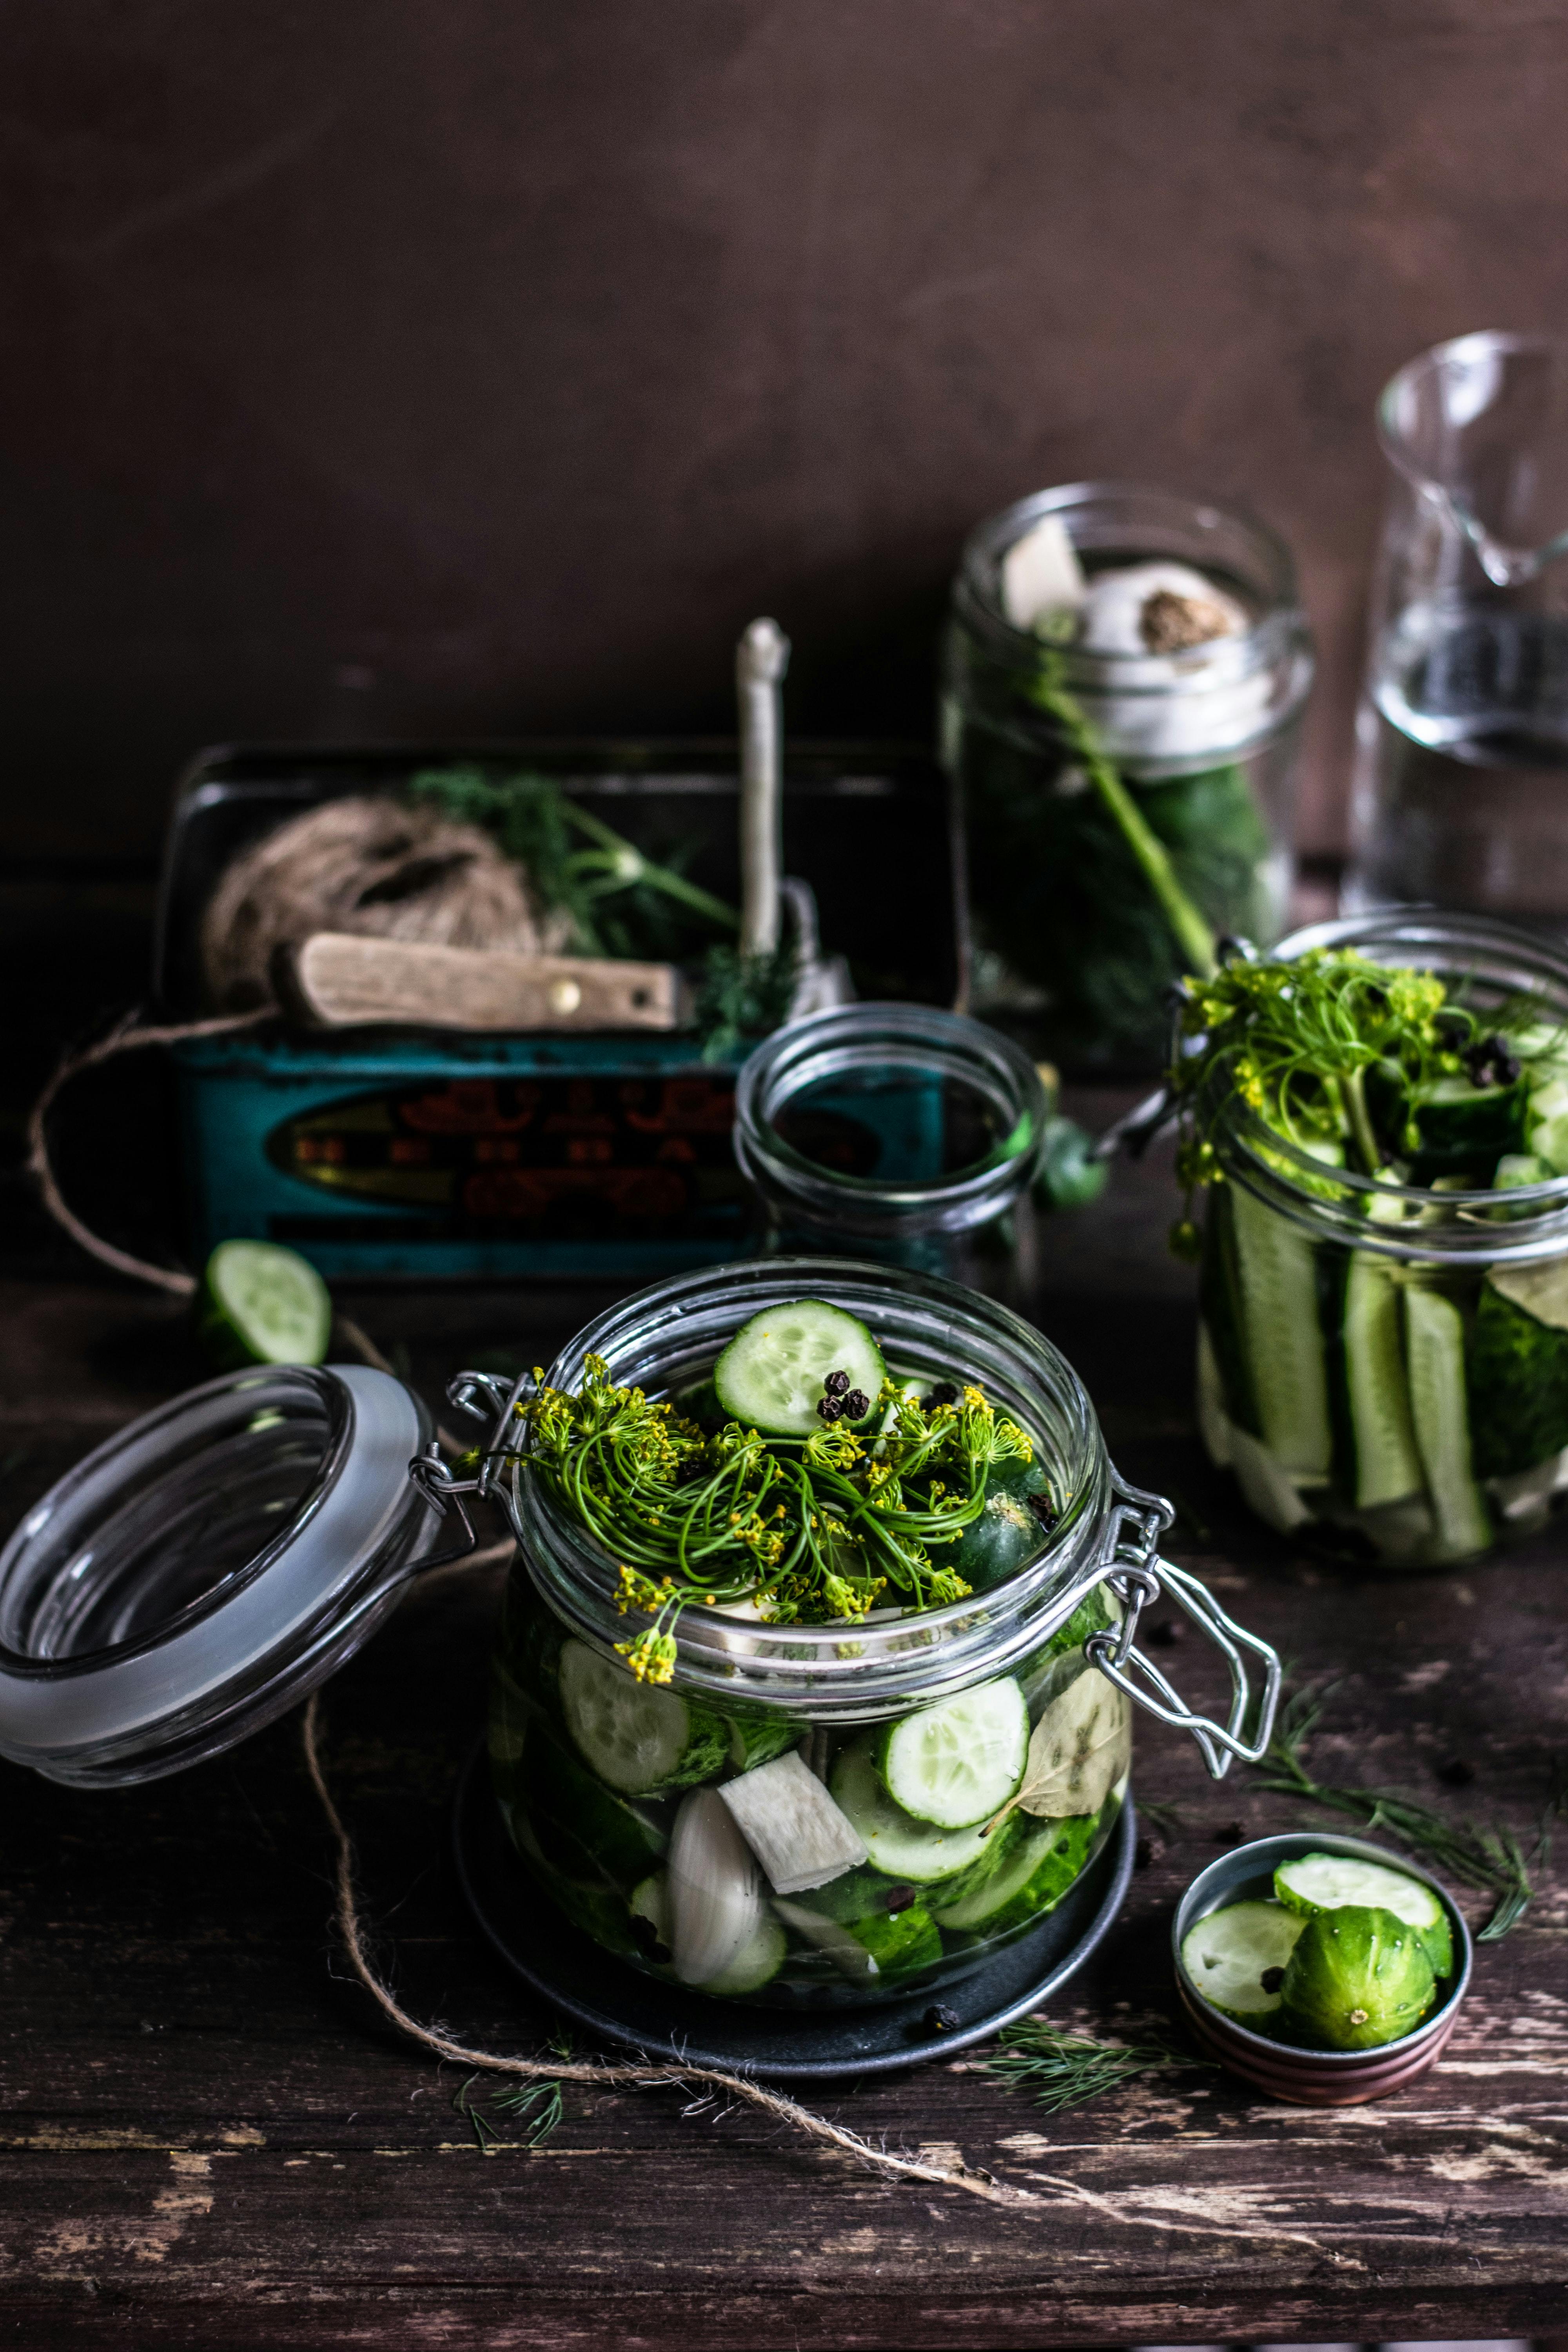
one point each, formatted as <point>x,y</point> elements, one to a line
<point>206,2135</point>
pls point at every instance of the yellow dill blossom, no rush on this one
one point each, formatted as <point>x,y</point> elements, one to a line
<point>651,1657</point>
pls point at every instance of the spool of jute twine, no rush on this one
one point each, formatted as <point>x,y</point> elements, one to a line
<point>378,866</point>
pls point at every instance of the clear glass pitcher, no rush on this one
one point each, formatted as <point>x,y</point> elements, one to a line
<point>1462,740</point>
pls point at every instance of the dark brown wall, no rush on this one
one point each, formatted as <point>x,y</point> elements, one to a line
<point>478,365</point>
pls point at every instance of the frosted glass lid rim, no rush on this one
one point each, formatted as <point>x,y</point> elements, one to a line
<point>52,1709</point>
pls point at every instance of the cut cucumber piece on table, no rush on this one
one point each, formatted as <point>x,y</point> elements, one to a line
<point>1387,1466</point>
<point>1037,1862</point>
<point>1435,1349</point>
<point>636,1736</point>
<point>1228,1955</point>
<point>958,1763</point>
<point>773,1374</point>
<point>1327,1882</point>
<point>260,1303</point>
<point>1278,1278</point>
<point>913,1853</point>
<point>793,1826</point>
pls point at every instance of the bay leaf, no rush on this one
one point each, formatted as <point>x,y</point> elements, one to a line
<point>1080,1749</point>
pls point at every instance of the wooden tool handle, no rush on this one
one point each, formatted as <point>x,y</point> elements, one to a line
<point>337,979</point>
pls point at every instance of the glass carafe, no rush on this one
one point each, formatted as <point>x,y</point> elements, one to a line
<point>1462,741</point>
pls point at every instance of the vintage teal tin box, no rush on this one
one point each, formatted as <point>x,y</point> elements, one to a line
<point>415,1150</point>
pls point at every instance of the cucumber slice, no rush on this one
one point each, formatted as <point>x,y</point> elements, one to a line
<point>1277,1275</point>
<point>1228,1956</point>
<point>1214,1420</point>
<point>260,1303</point>
<point>755,1965</point>
<point>1038,1863</point>
<point>883,1944</point>
<point>636,1736</point>
<point>772,1374</point>
<point>791,1825</point>
<point>1327,1882</point>
<point>1387,1466</point>
<point>914,1853</point>
<point>1435,1344</point>
<point>650,1907</point>
<point>858,1894</point>
<point>1519,1369</point>
<point>757,1738</point>
<point>1463,1126</point>
<point>957,1764</point>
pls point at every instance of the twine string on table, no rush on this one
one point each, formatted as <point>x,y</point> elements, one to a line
<point>609,2075</point>
<point>129,1036</point>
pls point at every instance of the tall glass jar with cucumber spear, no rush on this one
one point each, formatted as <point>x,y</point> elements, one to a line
<point>1377,1121</point>
<point>817,1667</point>
<point>1124,676</point>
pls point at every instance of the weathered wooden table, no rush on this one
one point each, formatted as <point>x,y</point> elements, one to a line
<point>210,2138</point>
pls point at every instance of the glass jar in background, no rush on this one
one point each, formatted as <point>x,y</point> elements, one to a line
<point>1462,738</point>
<point>610,1788</point>
<point>1074,951</point>
<point>899,1133</point>
<point>1388,1365</point>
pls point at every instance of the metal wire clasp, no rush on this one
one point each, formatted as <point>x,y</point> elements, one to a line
<point>1136,1574</point>
<point>483,1396</point>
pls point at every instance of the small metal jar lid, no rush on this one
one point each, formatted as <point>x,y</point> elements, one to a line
<point>206,1567</point>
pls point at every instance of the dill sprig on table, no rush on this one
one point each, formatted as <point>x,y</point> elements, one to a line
<point>1490,1859</point>
<point>814,1529</point>
<point>1066,2070</point>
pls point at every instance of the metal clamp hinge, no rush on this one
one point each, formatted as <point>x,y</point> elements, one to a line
<point>1136,1574</point>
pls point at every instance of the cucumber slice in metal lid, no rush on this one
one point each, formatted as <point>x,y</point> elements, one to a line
<point>1236,1958</point>
<point>1327,1882</point>
<point>260,1304</point>
<point>775,1373</point>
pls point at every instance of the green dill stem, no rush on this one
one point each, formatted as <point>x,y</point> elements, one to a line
<point>1191,934</point>
<point>622,852</point>
<point>1065,2069</point>
<point>1353,1094</point>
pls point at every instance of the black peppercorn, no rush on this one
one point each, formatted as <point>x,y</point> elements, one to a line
<point>1272,1979</point>
<point>836,1383</point>
<point>943,1393</point>
<point>941,2019</point>
<point>900,1897</point>
<point>857,1404</point>
<point>830,1407</point>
